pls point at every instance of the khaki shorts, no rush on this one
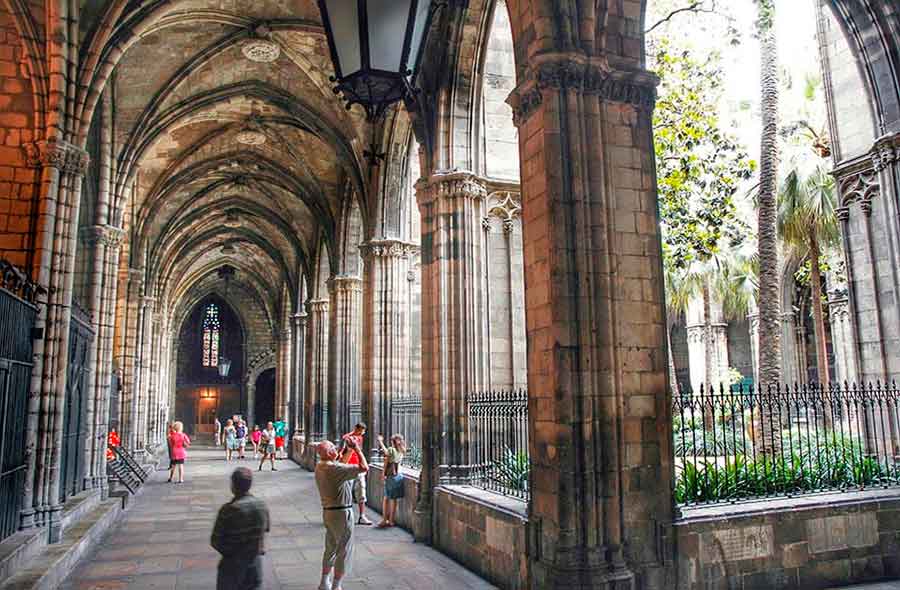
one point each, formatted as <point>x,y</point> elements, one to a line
<point>359,489</point>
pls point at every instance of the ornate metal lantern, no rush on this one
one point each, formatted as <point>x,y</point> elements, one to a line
<point>224,367</point>
<point>375,47</point>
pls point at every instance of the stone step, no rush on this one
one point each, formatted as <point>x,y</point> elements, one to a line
<point>54,564</point>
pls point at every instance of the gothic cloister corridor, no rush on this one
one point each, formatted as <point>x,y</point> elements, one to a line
<point>162,543</point>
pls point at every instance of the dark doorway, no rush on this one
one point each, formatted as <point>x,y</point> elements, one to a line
<point>264,405</point>
<point>212,331</point>
<point>74,435</point>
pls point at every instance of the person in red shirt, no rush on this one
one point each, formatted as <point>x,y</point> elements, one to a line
<point>179,442</point>
<point>112,441</point>
<point>359,485</point>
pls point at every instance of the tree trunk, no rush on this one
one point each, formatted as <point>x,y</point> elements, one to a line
<point>769,301</point>
<point>769,288</point>
<point>710,376</point>
<point>815,284</point>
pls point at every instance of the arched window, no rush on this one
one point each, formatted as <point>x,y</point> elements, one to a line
<point>211,335</point>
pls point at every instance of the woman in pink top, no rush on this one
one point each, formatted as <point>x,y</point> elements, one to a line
<point>179,442</point>
<point>255,436</point>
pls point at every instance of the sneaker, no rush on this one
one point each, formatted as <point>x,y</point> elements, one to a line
<point>364,521</point>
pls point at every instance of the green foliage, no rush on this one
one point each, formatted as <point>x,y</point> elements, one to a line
<point>512,471</point>
<point>700,166</point>
<point>804,465</point>
<point>413,457</point>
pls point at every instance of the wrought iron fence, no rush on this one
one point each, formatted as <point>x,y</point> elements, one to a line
<point>406,419</point>
<point>740,443</point>
<point>498,441</point>
<point>17,317</point>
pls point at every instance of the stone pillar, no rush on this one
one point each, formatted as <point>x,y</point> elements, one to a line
<point>386,328</point>
<point>105,332</point>
<point>599,413</point>
<point>753,322</point>
<point>317,361</point>
<point>298,381</point>
<point>284,373</point>
<point>62,168</point>
<point>699,341</point>
<point>790,364</point>
<point>144,379</point>
<point>345,351</point>
<point>103,242</point>
<point>454,323</point>
<point>129,324</point>
<point>842,339</point>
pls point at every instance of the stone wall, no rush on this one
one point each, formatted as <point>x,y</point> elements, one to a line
<point>819,542</point>
<point>483,531</point>
<point>18,180</point>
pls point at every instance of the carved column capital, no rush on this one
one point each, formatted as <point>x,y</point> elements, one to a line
<point>317,306</point>
<point>388,248</point>
<point>59,154</point>
<point>589,75</point>
<point>452,184</point>
<point>344,284</point>
<point>885,152</point>
<point>298,320</point>
<point>106,235</point>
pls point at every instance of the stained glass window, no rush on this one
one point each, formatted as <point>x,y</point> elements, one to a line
<point>211,336</point>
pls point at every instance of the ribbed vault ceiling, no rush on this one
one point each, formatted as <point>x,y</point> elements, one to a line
<point>184,94</point>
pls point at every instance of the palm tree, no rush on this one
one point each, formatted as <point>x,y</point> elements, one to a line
<point>728,276</point>
<point>767,212</point>
<point>807,222</point>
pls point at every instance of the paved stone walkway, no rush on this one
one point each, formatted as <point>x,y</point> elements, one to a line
<point>162,542</point>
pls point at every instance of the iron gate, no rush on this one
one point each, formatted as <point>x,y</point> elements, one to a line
<point>17,318</point>
<point>74,427</point>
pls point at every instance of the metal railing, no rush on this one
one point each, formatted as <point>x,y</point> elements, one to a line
<point>740,443</point>
<point>406,419</point>
<point>17,318</point>
<point>498,441</point>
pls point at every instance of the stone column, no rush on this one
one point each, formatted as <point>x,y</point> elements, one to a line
<point>128,359</point>
<point>298,381</point>
<point>454,323</point>
<point>144,379</point>
<point>104,241</point>
<point>345,351</point>
<point>317,360</point>
<point>599,413</point>
<point>790,364</point>
<point>386,328</point>
<point>842,338</point>
<point>753,322</point>
<point>284,372</point>
<point>62,168</point>
<point>106,318</point>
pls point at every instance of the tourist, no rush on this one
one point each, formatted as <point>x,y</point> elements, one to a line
<point>218,432</point>
<point>393,479</point>
<point>280,427</point>
<point>335,480</point>
<point>231,444</point>
<point>255,437</point>
<point>359,486</point>
<point>239,536</point>
<point>241,433</point>
<point>170,428</point>
<point>268,446</point>
<point>179,442</point>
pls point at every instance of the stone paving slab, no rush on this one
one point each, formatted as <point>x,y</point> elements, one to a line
<point>894,585</point>
<point>162,542</point>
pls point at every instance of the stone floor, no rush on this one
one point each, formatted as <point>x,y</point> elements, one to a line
<point>162,542</point>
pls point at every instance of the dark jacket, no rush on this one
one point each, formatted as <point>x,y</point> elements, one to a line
<point>240,528</point>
